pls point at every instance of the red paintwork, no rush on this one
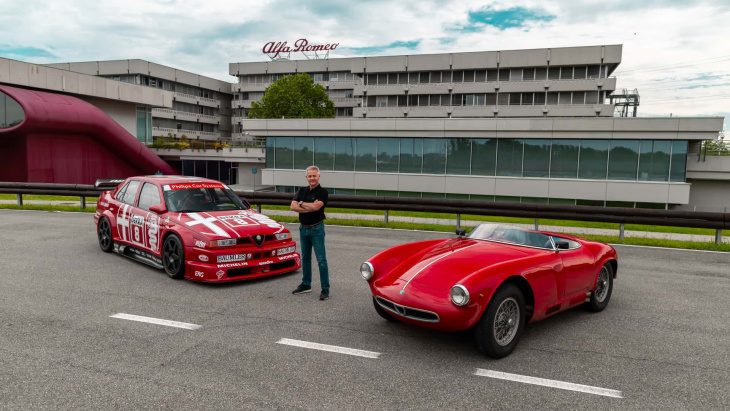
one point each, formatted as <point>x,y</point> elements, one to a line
<point>63,139</point>
<point>434,267</point>
<point>200,258</point>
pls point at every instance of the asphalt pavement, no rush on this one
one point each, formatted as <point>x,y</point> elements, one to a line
<point>662,343</point>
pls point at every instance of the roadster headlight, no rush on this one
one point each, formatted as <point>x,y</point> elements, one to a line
<point>366,270</point>
<point>459,295</point>
<point>283,236</point>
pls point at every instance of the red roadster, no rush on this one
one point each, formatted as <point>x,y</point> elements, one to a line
<point>193,228</point>
<point>496,279</point>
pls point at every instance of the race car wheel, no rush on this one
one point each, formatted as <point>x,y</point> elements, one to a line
<point>604,286</point>
<point>173,257</point>
<point>502,323</point>
<point>104,232</point>
<point>382,312</point>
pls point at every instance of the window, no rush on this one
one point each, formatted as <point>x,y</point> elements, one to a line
<point>527,99</point>
<point>566,73</point>
<point>388,153</point>
<point>536,158</point>
<point>679,161</point>
<point>514,99</point>
<point>324,150</point>
<point>509,157</point>
<point>149,196</point>
<point>434,155</point>
<point>593,159</point>
<point>554,73</point>
<point>564,159</point>
<point>11,113</point>
<point>623,160</point>
<point>564,97</point>
<point>458,156</point>
<point>424,77</point>
<point>284,154</point>
<point>411,155</point>
<point>654,160</point>
<point>492,75</point>
<point>528,74</point>
<point>458,76</point>
<point>344,154</point>
<point>468,76</point>
<point>480,76</point>
<point>270,150</point>
<point>541,73</point>
<point>516,74</point>
<point>503,74</point>
<point>130,193</point>
<point>366,152</point>
<point>435,77</point>
<point>392,78</point>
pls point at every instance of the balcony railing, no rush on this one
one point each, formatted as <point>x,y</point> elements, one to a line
<point>188,144</point>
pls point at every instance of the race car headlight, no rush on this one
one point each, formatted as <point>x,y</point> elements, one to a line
<point>459,295</point>
<point>223,243</point>
<point>366,270</point>
<point>283,236</point>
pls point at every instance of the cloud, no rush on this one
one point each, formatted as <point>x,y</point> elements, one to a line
<point>503,19</point>
<point>24,53</point>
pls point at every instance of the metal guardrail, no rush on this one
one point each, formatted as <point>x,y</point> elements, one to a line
<point>622,216</point>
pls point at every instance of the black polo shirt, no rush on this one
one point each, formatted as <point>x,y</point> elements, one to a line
<point>308,196</point>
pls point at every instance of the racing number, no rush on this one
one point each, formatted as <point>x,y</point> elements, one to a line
<point>136,234</point>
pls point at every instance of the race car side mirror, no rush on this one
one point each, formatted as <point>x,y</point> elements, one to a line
<point>460,232</point>
<point>158,209</point>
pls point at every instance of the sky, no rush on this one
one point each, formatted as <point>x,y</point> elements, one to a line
<point>675,53</point>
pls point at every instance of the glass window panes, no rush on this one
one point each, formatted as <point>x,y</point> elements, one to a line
<point>411,151</point>
<point>324,150</point>
<point>593,159</point>
<point>366,151</point>
<point>623,160</point>
<point>679,161</point>
<point>303,152</point>
<point>284,153</point>
<point>434,155</point>
<point>654,160</point>
<point>483,156</point>
<point>362,192</point>
<point>536,158</point>
<point>388,153</point>
<point>509,157</point>
<point>149,196</point>
<point>344,154</point>
<point>212,170</point>
<point>387,193</point>
<point>564,159</point>
<point>458,156</point>
<point>130,193</point>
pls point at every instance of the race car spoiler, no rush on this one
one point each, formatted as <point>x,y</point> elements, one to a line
<point>108,182</point>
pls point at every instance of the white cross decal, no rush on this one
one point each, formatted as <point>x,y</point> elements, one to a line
<point>208,222</point>
<point>123,222</point>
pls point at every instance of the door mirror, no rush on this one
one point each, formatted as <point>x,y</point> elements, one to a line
<point>460,232</point>
<point>158,209</point>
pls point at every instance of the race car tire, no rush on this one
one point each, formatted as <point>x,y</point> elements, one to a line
<point>104,232</point>
<point>602,292</point>
<point>173,257</point>
<point>382,312</point>
<point>500,328</point>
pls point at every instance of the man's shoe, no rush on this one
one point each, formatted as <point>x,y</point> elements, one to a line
<point>301,289</point>
<point>324,295</point>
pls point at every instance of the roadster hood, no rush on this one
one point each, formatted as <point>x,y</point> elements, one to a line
<point>218,225</point>
<point>448,263</point>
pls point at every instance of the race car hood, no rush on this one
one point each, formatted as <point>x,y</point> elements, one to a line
<point>447,263</point>
<point>218,225</point>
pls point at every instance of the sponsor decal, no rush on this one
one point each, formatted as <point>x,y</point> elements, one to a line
<point>104,204</point>
<point>287,257</point>
<point>203,257</point>
<point>207,222</point>
<point>266,262</point>
<point>123,222</point>
<point>145,255</point>
<point>193,185</point>
<point>286,250</point>
<point>153,229</point>
<point>200,244</point>
<point>137,220</point>
<point>273,48</point>
<point>257,239</point>
<point>233,257</point>
<point>199,274</point>
<point>220,274</point>
<point>232,265</point>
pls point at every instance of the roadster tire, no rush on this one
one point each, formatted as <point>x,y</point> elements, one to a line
<point>602,292</point>
<point>382,312</point>
<point>173,257</point>
<point>500,328</point>
<point>104,232</point>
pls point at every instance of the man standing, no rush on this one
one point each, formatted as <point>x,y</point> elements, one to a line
<point>310,202</point>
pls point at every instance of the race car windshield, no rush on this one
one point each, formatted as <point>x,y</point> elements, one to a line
<point>513,235</point>
<point>191,200</point>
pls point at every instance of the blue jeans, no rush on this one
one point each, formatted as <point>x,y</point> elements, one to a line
<point>313,237</point>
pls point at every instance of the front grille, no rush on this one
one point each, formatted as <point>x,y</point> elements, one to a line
<point>408,312</point>
<point>282,265</point>
<point>247,240</point>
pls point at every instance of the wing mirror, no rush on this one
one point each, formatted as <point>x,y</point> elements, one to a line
<point>460,232</point>
<point>158,209</point>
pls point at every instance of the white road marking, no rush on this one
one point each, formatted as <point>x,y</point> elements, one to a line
<point>330,348</point>
<point>549,383</point>
<point>157,321</point>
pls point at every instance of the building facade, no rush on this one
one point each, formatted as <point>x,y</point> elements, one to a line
<point>201,107</point>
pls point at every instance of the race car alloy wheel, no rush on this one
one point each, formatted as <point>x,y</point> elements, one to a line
<point>381,311</point>
<point>604,287</point>
<point>173,257</point>
<point>502,323</point>
<point>104,231</point>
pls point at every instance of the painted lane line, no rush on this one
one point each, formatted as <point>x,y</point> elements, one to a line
<point>157,321</point>
<point>330,348</point>
<point>549,383</point>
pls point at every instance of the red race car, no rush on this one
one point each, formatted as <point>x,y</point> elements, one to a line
<point>496,279</point>
<point>193,228</point>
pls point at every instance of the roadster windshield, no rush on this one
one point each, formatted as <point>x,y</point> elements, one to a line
<point>513,235</point>
<point>202,199</point>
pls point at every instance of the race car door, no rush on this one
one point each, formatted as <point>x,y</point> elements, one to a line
<point>144,225</point>
<point>126,198</point>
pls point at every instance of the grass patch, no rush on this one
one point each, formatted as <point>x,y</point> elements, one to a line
<point>47,207</point>
<point>46,198</point>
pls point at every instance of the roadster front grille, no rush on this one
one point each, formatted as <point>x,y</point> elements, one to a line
<point>408,312</point>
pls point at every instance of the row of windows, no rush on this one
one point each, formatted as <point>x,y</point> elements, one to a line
<point>216,170</point>
<point>193,108</point>
<point>508,199</point>
<point>270,78</point>
<point>182,125</point>
<point>163,84</point>
<point>488,99</point>
<point>258,95</point>
<point>11,114</point>
<point>632,160</point>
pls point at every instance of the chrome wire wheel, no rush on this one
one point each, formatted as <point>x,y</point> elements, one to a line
<point>506,321</point>
<point>602,285</point>
<point>172,252</point>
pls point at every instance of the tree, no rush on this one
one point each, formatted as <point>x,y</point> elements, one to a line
<point>293,96</point>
